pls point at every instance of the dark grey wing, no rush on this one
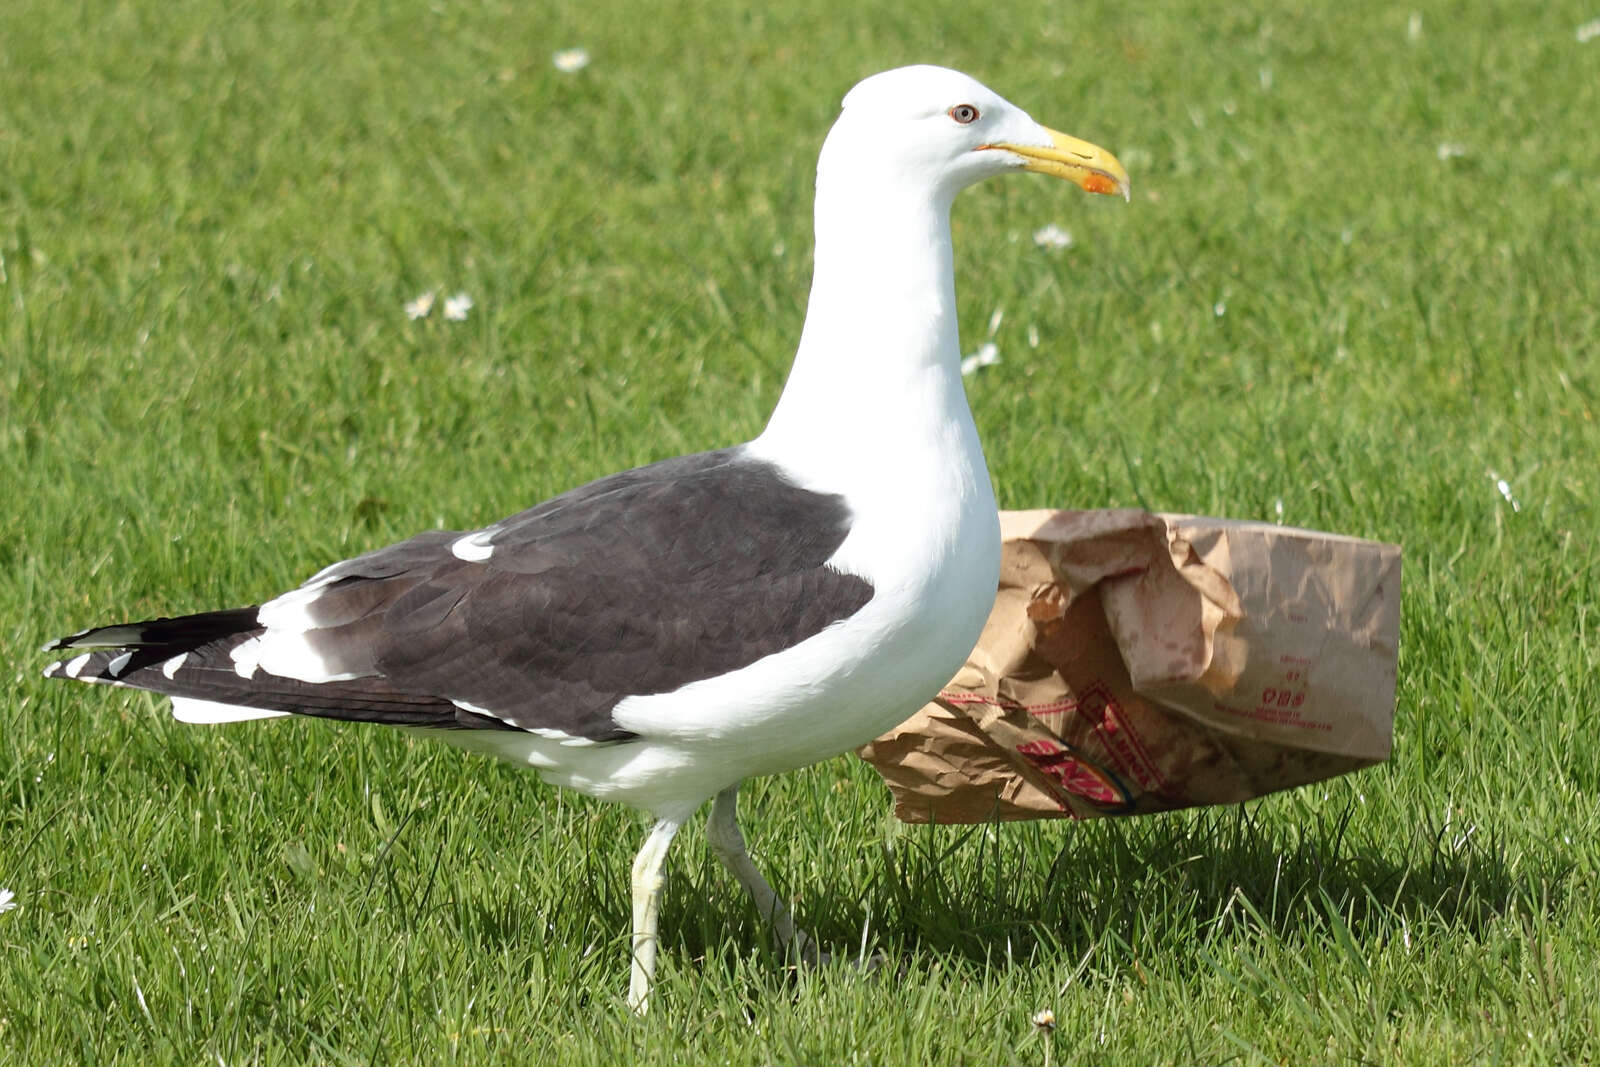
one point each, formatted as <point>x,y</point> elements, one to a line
<point>638,583</point>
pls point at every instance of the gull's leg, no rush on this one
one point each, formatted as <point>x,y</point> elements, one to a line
<point>722,831</point>
<point>647,882</point>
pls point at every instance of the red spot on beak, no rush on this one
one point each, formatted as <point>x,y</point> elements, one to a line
<point>1099,183</point>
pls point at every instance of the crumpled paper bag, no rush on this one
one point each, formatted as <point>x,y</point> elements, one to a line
<point>1136,663</point>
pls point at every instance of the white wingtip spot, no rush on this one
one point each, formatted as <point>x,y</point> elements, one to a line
<point>246,658</point>
<point>53,669</point>
<point>172,666</point>
<point>115,668</point>
<point>76,665</point>
<point>473,548</point>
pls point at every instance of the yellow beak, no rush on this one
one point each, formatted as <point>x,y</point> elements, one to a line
<point>1089,167</point>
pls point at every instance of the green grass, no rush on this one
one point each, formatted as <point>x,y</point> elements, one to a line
<point>210,215</point>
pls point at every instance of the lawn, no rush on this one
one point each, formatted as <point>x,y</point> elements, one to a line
<point>1357,289</point>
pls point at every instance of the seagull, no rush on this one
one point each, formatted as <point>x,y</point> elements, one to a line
<point>659,635</point>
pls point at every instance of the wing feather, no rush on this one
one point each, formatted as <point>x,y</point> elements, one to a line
<point>635,584</point>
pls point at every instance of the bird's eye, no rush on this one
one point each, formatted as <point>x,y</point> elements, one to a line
<point>965,114</point>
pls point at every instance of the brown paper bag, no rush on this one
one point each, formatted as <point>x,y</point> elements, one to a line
<point>1137,663</point>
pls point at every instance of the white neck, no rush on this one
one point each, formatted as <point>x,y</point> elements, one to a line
<point>879,362</point>
<point>875,410</point>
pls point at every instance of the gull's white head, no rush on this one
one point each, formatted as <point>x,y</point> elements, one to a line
<point>936,130</point>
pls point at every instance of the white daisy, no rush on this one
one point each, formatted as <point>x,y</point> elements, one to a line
<point>8,900</point>
<point>456,307</point>
<point>571,60</point>
<point>1505,491</point>
<point>1504,488</point>
<point>1052,236</point>
<point>419,308</point>
<point>987,355</point>
<point>1449,150</point>
<point>1589,31</point>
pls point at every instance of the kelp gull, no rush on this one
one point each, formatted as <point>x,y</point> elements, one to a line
<point>659,635</point>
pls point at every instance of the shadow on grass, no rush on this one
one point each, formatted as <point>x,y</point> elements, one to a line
<point>998,896</point>
<point>1007,895</point>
